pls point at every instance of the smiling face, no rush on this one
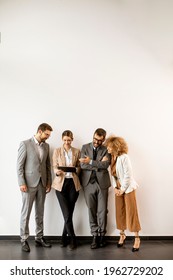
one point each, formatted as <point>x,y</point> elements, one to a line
<point>116,145</point>
<point>67,140</point>
<point>110,149</point>
<point>98,140</point>
<point>42,136</point>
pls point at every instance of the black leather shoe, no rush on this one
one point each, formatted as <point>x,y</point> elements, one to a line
<point>94,244</point>
<point>102,242</point>
<point>42,242</point>
<point>64,241</point>
<point>25,246</point>
<point>73,244</point>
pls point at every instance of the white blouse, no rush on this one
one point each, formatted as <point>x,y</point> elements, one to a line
<point>124,174</point>
<point>68,161</point>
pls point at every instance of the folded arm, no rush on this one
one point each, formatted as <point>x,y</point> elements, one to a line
<point>90,164</point>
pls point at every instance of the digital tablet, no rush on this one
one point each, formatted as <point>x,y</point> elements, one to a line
<point>67,168</point>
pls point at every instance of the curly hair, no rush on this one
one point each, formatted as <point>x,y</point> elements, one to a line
<point>119,147</point>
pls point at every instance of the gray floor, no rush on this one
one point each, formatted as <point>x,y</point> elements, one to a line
<point>149,250</point>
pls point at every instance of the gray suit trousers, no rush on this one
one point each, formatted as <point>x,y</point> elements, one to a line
<point>97,200</point>
<point>38,195</point>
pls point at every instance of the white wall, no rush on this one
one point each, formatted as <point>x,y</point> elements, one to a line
<point>80,65</point>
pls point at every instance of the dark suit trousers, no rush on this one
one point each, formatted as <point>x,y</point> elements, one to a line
<point>67,199</point>
<point>96,200</point>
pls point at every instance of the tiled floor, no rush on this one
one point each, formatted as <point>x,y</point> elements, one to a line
<point>149,250</point>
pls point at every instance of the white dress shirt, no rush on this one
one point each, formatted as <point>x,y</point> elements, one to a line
<point>68,161</point>
<point>39,148</point>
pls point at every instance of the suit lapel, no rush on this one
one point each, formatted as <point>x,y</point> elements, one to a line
<point>99,153</point>
<point>44,147</point>
<point>35,148</point>
<point>73,157</point>
<point>90,151</point>
<point>62,157</point>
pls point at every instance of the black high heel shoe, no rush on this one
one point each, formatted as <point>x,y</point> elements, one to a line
<point>122,243</point>
<point>135,249</point>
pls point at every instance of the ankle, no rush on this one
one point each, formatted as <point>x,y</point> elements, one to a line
<point>137,238</point>
<point>137,241</point>
<point>122,234</point>
<point>122,237</point>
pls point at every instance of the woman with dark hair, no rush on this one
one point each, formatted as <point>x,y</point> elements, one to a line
<point>67,184</point>
<point>125,186</point>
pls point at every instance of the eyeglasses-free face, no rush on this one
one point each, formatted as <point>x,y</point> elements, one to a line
<point>67,142</point>
<point>110,149</point>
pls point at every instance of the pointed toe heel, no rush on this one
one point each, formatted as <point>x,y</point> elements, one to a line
<point>136,247</point>
<point>122,240</point>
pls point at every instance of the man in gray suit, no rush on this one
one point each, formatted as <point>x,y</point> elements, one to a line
<point>95,180</point>
<point>34,178</point>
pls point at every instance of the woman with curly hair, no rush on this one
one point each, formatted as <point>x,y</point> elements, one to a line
<point>125,186</point>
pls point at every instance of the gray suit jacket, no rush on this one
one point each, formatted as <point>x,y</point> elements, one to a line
<point>101,167</point>
<point>29,166</point>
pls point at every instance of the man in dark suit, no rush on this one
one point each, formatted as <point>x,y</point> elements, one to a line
<point>95,181</point>
<point>34,179</point>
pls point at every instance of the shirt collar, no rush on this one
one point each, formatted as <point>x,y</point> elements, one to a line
<point>94,148</point>
<point>36,141</point>
<point>66,151</point>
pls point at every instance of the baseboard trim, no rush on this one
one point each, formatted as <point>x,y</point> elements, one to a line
<point>87,238</point>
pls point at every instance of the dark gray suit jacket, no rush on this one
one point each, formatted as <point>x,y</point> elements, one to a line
<point>29,166</point>
<point>101,167</point>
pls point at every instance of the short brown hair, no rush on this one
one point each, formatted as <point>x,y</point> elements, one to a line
<point>67,133</point>
<point>100,132</point>
<point>44,126</point>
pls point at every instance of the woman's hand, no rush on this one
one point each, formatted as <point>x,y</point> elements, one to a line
<point>121,192</point>
<point>59,172</point>
<point>105,158</point>
<point>118,192</point>
<point>48,188</point>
